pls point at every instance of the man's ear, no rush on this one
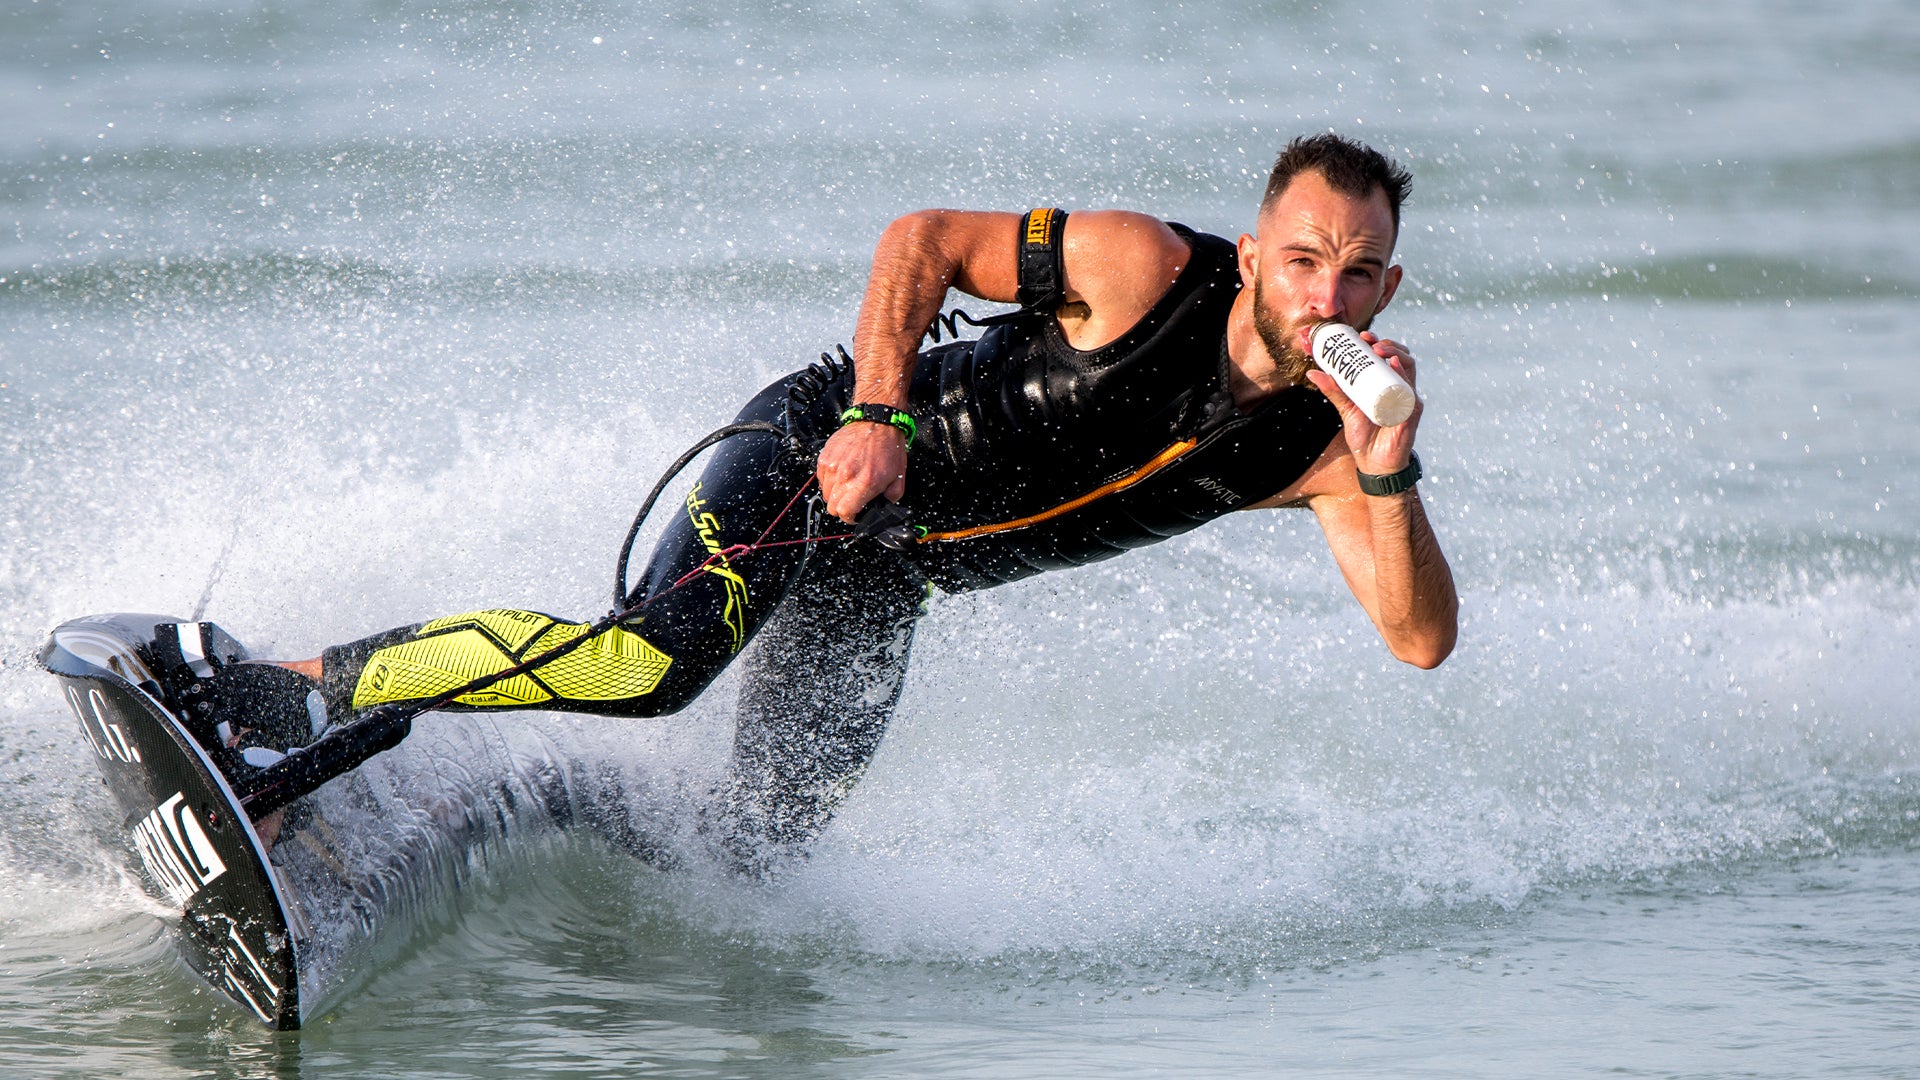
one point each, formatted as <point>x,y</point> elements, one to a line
<point>1249,250</point>
<point>1392,282</point>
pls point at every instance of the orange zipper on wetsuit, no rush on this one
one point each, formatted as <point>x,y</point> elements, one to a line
<point>1160,461</point>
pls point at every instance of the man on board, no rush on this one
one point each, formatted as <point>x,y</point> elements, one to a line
<point>1155,378</point>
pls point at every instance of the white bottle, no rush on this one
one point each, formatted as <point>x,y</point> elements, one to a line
<point>1370,381</point>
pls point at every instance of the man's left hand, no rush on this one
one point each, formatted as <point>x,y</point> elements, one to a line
<point>1378,450</point>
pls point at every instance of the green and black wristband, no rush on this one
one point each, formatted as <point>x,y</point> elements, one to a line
<point>881,414</point>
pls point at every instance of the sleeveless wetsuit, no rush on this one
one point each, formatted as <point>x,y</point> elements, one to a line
<point>1017,430</point>
<point>1021,423</point>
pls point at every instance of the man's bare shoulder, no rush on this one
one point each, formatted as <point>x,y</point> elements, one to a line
<point>1118,263</point>
<point>1125,239</point>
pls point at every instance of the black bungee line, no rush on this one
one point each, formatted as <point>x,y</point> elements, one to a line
<point>384,727</point>
<point>717,435</point>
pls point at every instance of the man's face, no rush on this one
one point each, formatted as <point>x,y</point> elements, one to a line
<point>1321,256</point>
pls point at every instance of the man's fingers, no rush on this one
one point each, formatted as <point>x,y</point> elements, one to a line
<point>1394,353</point>
<point>846,496</point>
<point>1331,388</point>
<point>858,463</point>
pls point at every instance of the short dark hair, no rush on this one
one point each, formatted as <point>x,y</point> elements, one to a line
<point>1352,168</point>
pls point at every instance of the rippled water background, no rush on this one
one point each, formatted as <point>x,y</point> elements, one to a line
<point>340,316</point>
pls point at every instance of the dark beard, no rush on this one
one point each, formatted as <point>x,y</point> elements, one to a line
<point>1288,360</point>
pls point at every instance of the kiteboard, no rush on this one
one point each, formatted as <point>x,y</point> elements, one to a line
<point>197,851</point>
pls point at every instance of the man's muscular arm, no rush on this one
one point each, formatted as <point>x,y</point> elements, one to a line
<point>1393,563</point>
<point>1117,265</point>
<point>1383,543</point>
<point>917,259</point>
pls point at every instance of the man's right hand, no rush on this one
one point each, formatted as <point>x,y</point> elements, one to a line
<point>1117,266</point>
<point>859,462</point>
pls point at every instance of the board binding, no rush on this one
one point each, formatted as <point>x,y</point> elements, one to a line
<point>196,849</point>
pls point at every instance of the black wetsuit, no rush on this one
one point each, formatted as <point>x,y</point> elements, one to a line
<point>1011,427</point>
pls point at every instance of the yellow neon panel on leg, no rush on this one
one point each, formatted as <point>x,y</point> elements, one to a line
<point>428,666</point>
<point>618,664</point>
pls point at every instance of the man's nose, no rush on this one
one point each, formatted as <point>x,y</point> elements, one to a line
<point>1323,299</point>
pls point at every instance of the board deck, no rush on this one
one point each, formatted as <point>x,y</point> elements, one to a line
<point>196,850</point>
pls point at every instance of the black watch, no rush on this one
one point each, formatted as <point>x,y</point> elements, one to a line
<point>1391,483</point>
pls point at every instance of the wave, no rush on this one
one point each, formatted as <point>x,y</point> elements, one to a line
<point>200,286</point>
<point>1723,278</point>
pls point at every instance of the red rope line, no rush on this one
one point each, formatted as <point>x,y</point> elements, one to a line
<point>760,543</point>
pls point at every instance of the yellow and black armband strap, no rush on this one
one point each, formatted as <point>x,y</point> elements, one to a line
<point>1043,276</point>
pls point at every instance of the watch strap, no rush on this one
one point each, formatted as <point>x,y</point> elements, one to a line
<point>1391,483</point>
